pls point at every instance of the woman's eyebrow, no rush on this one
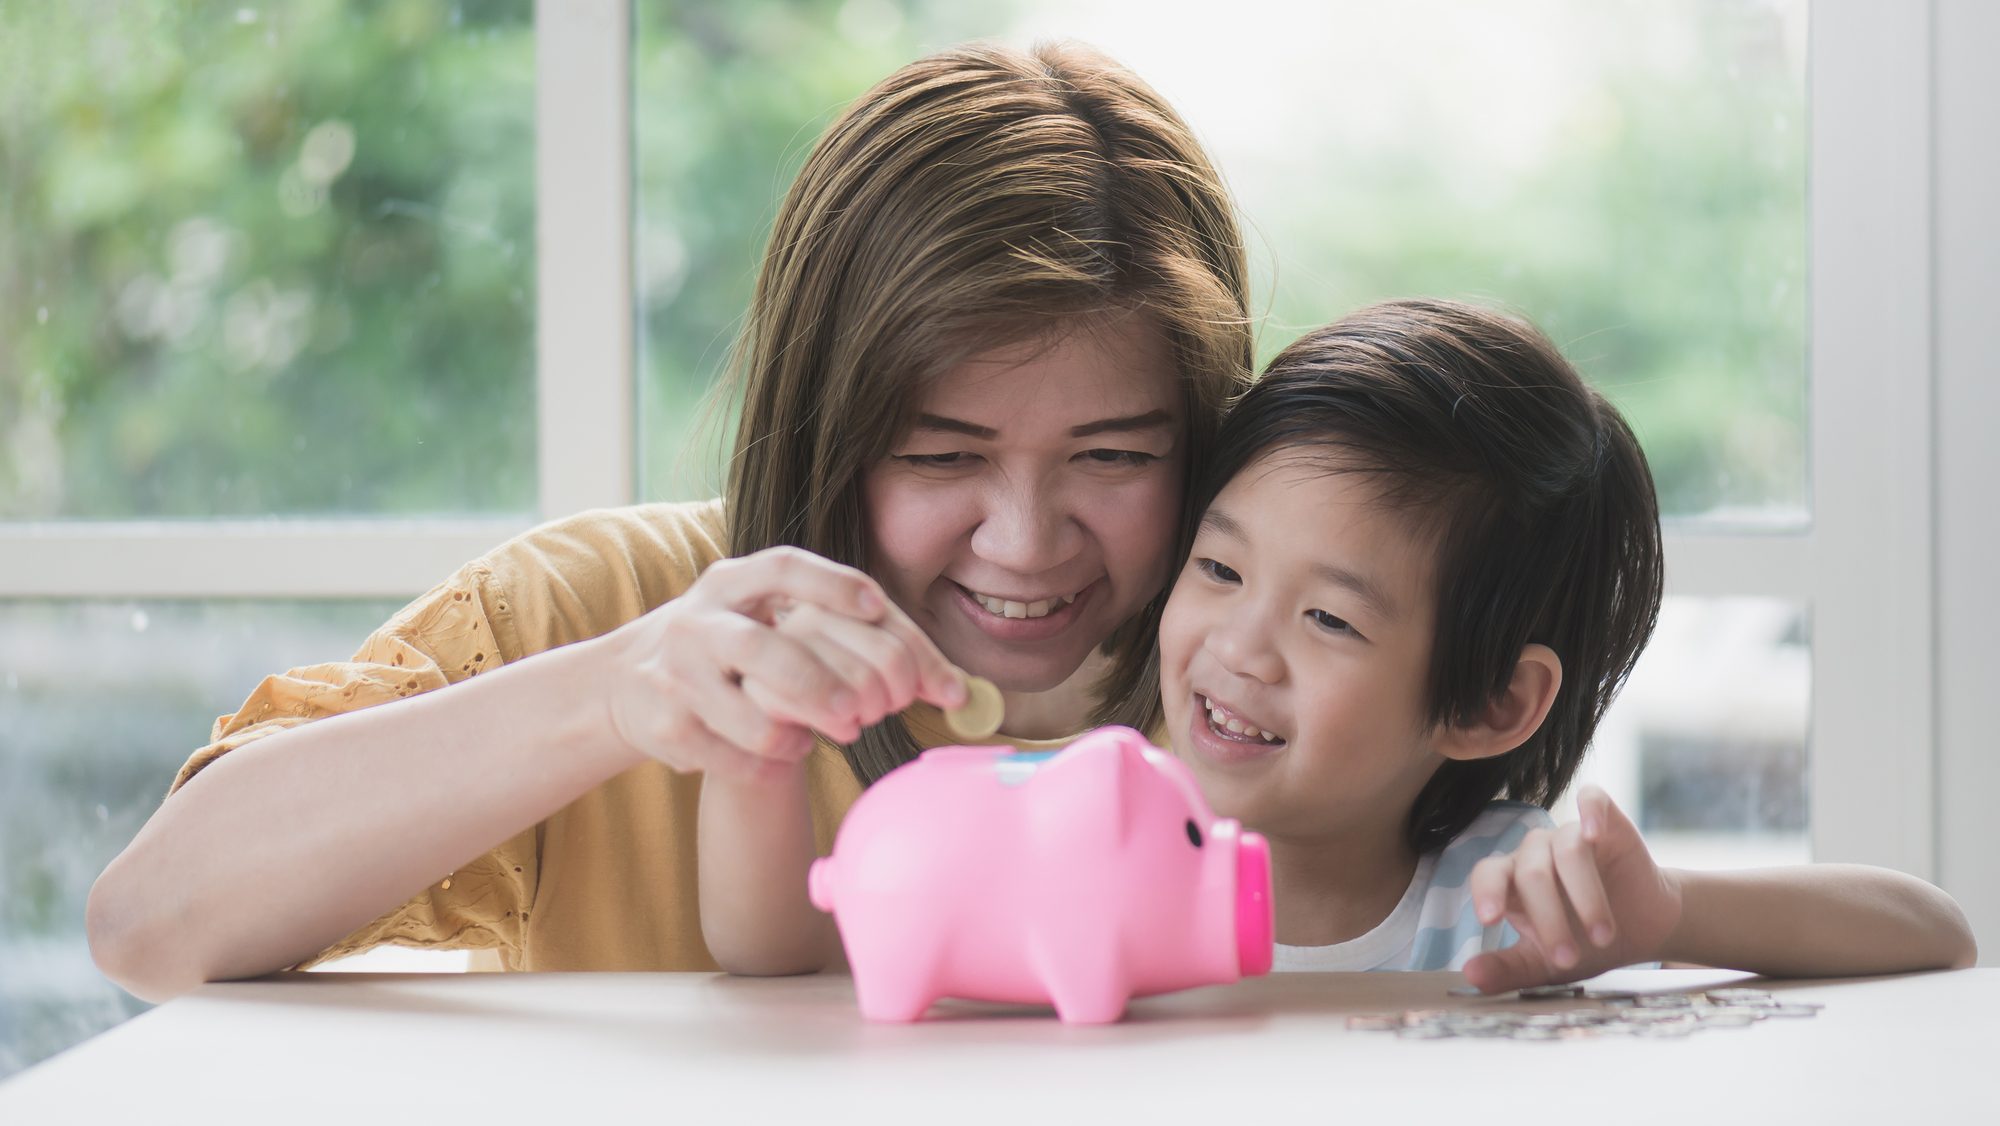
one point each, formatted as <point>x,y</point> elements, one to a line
<point>1151,420</point>
<point>955,426</point>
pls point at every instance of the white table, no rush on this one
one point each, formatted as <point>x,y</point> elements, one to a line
<point>687,1048</point>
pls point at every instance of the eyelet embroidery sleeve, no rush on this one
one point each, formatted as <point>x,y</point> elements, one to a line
<point>443,637</point>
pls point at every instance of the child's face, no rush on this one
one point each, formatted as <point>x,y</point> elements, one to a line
<point>1032,509</point>
<point>1305,611</point>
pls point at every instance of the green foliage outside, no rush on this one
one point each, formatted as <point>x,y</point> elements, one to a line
<point>266,259</point>
<point>1662,246</point>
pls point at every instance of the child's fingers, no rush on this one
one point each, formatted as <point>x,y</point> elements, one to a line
<point>1602,819</point>
<point>1576,865</point>
<point>1541,898</point>
<point>1491,884</point>
<point>1517,967</point>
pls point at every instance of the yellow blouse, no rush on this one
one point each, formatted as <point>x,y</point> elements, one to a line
<point>607,882</point>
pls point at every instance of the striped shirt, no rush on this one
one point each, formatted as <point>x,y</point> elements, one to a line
<point>1433,927</point>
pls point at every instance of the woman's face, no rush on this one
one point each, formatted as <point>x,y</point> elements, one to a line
<point>1031,509</point>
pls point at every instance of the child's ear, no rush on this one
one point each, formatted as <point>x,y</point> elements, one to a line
<point>1512,716</point>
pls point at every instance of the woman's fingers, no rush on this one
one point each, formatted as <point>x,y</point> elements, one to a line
<point>761,583</point>
<point>748,726</point>
<point>938,681</point>
<point>875,663</point>
<point>783,581</point>
<point>785,666</point>
<point>892,663</point>
<point>697,747</point>
<point>841,728</point>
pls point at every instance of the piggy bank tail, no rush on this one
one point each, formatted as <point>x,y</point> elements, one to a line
<point>819,884</point>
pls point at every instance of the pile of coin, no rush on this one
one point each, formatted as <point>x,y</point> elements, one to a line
<point>1652,1015</point>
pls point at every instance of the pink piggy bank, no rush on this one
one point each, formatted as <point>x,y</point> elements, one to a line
<point>1083,878</point>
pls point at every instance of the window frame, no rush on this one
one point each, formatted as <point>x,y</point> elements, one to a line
<point>1865,562</point>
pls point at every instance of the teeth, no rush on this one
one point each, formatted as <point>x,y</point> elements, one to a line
<point>1004,608</point>
<point>1226,722</point>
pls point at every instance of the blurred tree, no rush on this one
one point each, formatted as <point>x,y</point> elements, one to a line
<point>266,258</point>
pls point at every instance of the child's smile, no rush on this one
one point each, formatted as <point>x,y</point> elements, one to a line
<point>1228,735</point>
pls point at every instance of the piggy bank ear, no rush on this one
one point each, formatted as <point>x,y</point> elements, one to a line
<point>1087,791</point>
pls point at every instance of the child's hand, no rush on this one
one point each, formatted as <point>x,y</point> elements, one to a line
<point>1586,898</point>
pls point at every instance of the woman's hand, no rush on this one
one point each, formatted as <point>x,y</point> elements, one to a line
<point>733,677</point>
<point>1585,897</point>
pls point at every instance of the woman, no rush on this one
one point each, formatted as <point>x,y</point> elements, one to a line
<point>1001,310</point>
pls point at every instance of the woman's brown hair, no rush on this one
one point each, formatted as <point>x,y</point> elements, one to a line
<point>978,197</point>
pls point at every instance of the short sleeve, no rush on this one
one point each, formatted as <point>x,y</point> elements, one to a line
<point>443,637</point>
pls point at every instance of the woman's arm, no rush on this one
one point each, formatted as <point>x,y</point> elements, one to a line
<point>1818,920</point>
<point>287,844</point>
<point>280,848</point>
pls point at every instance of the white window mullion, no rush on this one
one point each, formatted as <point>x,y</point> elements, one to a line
<point>241,559</point>
<point>1968,290</point>
<point>1873,769</point>
<point>583,240</point>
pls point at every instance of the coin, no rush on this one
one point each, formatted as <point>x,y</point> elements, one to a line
<point>981,713</point>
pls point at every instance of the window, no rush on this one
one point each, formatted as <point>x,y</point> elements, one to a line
<point>271,364</point>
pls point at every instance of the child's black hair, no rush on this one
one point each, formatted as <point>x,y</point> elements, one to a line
<point>1532,490</point>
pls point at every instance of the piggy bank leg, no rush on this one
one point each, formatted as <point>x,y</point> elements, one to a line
<point>1085,986</point>
<point>1089,1006</point>
<point>893,992</point>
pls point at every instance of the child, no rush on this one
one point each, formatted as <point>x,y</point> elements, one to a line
<point>1429,555</point>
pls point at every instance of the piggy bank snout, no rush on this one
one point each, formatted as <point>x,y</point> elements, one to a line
<point>819,884</point>
<point>1255,925</point>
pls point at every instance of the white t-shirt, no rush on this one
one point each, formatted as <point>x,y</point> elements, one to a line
<point>1434,926</point>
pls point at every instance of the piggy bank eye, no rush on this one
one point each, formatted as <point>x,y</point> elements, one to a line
<point>1194,833</point>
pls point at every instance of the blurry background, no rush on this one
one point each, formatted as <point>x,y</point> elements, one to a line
<point>266,267</point>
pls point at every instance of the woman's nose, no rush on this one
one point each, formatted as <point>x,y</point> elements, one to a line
<point>1027,529</point>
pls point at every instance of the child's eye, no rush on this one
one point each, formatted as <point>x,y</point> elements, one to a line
<point>1330,623</point>
<point>1120,457</point>
<point>1217,571</point>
